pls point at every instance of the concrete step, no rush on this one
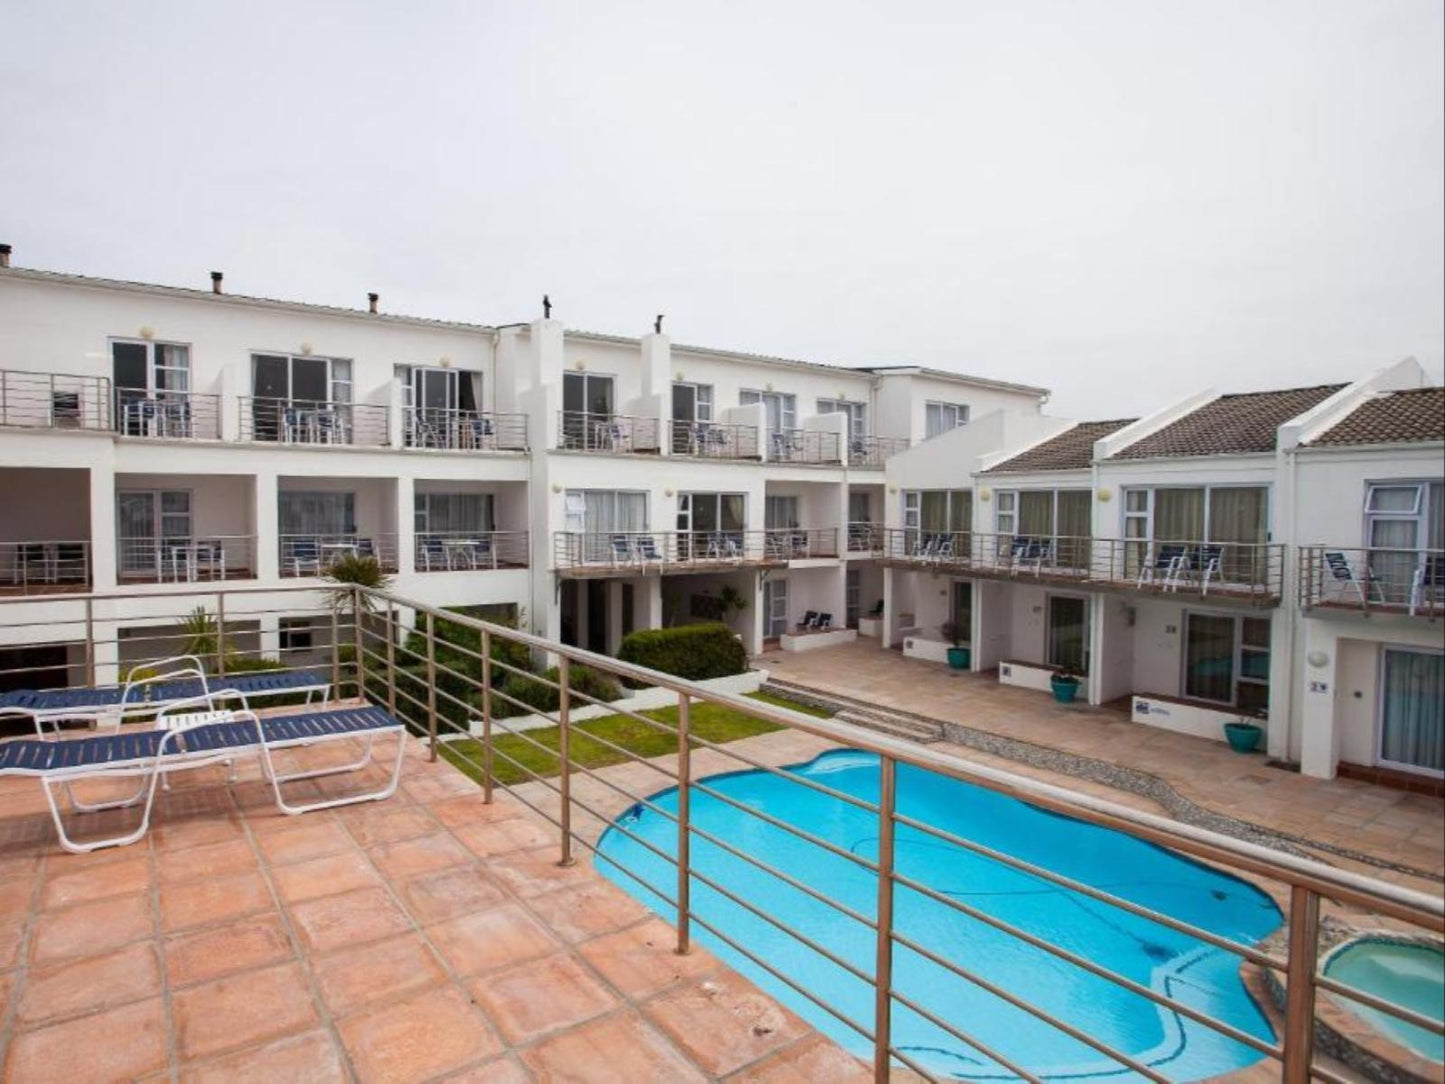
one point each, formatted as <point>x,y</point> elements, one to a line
<point>897,726</point>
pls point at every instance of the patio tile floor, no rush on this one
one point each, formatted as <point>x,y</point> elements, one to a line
<point>426,937</point>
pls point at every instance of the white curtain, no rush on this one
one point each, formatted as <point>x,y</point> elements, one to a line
<point>1413,728</point>
<point>303,513</point>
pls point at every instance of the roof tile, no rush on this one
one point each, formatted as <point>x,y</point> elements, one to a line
<point>1072,449</point>
<point>1400,417</point>
<point>1230,425</point>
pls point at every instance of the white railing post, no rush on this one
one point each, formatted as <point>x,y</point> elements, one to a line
<point>564,742</point>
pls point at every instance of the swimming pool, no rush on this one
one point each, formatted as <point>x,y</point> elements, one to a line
<point>1190,971</point>
<point>1407,973</point>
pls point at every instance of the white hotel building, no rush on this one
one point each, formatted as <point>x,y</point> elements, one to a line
<point>1266,554</point>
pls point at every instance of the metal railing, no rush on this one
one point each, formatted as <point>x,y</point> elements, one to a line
<point>800,543</point>
<point>464,430</point>
<point>803,446</point>
<point>714,440</point>
<point>1223,570</point>
<point>313,554</point>
<point>445,675</point>
<point>615,433</point>
<point>186,559</point>
<point>43,567</point>
<point>470,551</point>
<point>54,400</point>
<point>631,552</point>
<point>311,422</point>
<point>1373,580</point>
<point>866,538</point>
<point>461,708</point>
<point>167,415</point>
<point>871,453</point>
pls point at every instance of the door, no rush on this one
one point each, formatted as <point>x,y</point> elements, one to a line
<point>1068,633</point>
<point>775,607</point>
<point>596,615</point>
<point>1412,710</point>
<point>961,611</point>
<point>853,591</point>
<point>128,371</point>
<point>271,387</point>
<point>310,382</point>
<point>136,524</point>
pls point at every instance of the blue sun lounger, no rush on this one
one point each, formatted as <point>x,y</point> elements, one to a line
<point>143,695</point>
<point>193,734</point>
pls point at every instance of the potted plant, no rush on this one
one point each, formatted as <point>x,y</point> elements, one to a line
<point>1242,735</point>
<point>958,655</point>
<point>1065,685</point>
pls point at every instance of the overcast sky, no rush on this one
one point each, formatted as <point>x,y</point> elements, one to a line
<point>1120,201</point>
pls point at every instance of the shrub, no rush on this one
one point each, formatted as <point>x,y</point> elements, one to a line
<point>696,652</point>
<point>539,695</point>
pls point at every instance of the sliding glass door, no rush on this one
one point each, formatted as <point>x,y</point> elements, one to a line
<point>1412,710</point>
<point>1068,633</point>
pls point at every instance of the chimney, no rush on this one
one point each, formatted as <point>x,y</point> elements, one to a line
<point>4,255</point>
<point>373,299</point>
<point>216,282</point>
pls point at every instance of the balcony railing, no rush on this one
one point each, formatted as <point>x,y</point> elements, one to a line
<point>801,543</point>
<point>314,422</point>
<point>168,415</point>
<point>1374,580</point>
<point>866,538</point>
<point>714,440</point>
<point>663,551</point>
<point>464,430</point>
<point>1225,570</point>
<point>42,567</point>
<point>186,559</point>
<point>867,906</point>
<point>313,554</point>
<point>470,551</point>
<point>54,400</point>
<point>803,446</point>
<point>871,453</point>
<point>613,433</point>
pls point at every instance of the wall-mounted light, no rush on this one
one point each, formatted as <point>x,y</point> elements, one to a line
<point>985,494</point>
<point>767,387</point>
<point>892,489</point>
<point>556,487</point>
<point>306,349</point>
<point>147,332</point>
<point>1105,495</point>
<point>445,361</point>
<point>680,375</point>
<point>1317,659</point>
<point>580,366</point>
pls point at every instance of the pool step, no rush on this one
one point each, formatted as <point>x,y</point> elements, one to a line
<point>896,726</point>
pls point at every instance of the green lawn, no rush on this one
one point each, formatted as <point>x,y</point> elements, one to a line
<point>710,722</point>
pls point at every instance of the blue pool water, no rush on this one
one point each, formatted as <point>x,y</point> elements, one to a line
<point>1188,970</point>
<point>1407,973</point>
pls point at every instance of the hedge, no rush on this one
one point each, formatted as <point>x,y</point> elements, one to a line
<point>541,696</point>
<point>696,652</point>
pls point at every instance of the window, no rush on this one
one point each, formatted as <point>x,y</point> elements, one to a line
<point>295,634</point>
<point>316,514</point>
<point>453,513</point>
<point>597,514</point>
<point>709,512</point>
<point>1068,633</point>
<point>780,512</point>
<point>147,370</point>
<point>1006,512</point>
<point>1412,710</point>
<point>941,417</point>
<point>857,415</point>
<point>588,394</point>
<point>1236,518</point>
<point>301,378</point>
<point>780,410</point>
<point>146,521</point>
<point>1227,659</point>
<point>1063,515</point>
<point>691,402</point>
<point>1402,520</point>
<point>934,518</point>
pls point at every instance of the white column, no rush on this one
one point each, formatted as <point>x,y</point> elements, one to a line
<point>102,526</point>
<point>266,517</point>
<point>107,652</point>
<point>886,638</point>
<point>405,523</point>
<point>270,635</point>
<point>1319,736</point>
<point>395,420</point>
<point>657,385</point>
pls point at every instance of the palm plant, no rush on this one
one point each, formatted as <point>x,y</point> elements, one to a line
<point>202,636</point>
<point>349,572</point>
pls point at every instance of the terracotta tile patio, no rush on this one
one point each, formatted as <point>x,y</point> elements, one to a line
<point>427,937</point>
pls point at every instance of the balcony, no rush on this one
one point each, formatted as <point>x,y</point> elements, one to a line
<point>612,434</point>
<point>801,543</point>
<point>314,554</point>
<point>470,551</point>
<point>44,567</point>
<point>866,540</point>
<point>1409,582</point>
<point>464,430</point>
<point>634,553</point>
<point>315,423</point>
<point>186,559</point>
<point>807,446</point>
<point>871,453</point>
<point>72,401</point>
<point>714,440</point>
<point>1223,571</point>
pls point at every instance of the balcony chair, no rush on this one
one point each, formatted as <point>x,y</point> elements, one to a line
<point>71,565</point>
<point>175,418</point>
<point>295,425</point>
<point>1206,563</point>
<point>432,553</point>
<point>330,427</point>
<point>622,552</point>
<point>810,620</point>
<point>1338,566</point>
<point>942,549</point>
<point>210,558</point>
<point>724,547</point>
<point>33,563</point>
<point>1026,551</point>
<point>645,547</point>
<point>480,432</point>
<point>1166,565</point>
<point>305,557</point>
<point>1425,588</point>
<point>924,546</point>
<point>825,621</point>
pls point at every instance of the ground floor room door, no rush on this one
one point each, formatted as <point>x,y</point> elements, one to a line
<point>775,607</point>
<point>1412,710</point>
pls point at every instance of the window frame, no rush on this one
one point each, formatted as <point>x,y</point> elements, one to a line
<point>153,366</point>
<point>855,409</point>
<point>1239,650</point>
<point>958,411</point>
